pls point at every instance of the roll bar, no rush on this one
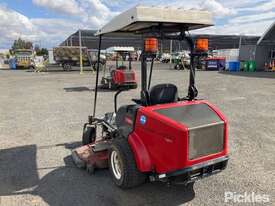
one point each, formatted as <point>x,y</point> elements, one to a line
<point>97,73</point>
<point>145,85</point>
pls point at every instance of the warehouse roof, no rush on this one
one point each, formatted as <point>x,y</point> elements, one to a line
<point>268,37</point>
<point>215,41</point>
<point>171,19</point>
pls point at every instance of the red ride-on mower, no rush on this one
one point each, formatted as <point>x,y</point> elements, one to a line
<point>122,76</point>
<point>161,136</point>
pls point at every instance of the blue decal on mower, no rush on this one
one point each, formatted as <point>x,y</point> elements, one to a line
<point>142,119</point>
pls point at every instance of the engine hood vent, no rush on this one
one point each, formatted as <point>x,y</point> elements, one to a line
<point>205,128</point>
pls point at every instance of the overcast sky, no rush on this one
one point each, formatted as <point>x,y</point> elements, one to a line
<point>48,22</point>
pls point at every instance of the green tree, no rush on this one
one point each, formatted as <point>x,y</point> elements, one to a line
<point>21,44</point>
<point>44,52</point>
<point>40,52</point>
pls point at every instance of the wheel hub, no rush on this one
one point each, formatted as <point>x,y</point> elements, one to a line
<point>116,164</point>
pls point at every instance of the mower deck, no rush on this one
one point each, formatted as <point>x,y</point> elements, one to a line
<point>92,156</point>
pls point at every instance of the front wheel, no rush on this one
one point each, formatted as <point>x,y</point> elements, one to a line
<point>89,134</point>
<point>31,68</point>
<point>177,67</point>
<point>122,165</point>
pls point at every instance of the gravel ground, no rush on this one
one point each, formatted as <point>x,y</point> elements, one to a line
<point>41,119</point>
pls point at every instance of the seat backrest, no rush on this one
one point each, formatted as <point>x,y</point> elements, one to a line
<point>122,67</point>
<point>163,93</point>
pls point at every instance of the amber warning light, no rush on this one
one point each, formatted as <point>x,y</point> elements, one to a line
<point>151,45</point>
<point>202,44</point>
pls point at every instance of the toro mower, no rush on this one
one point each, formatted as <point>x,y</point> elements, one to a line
<point>121,76</point>
<point>160,136</point>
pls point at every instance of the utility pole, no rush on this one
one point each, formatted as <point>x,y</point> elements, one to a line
<point>161,47</point>
<point>80,52</point>
<point>171,50</point>
<point>240,45</point>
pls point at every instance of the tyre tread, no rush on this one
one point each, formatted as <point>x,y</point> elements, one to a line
<point>132,176</point>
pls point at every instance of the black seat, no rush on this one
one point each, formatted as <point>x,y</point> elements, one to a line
<point>163,93</point>
<point>122,67</point>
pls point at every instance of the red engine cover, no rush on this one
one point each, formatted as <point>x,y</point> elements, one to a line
<point>160,143</point>
<point>123,76</point>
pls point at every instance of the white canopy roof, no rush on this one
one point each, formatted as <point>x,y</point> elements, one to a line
<point>144,17</point>
<point>120,49</point>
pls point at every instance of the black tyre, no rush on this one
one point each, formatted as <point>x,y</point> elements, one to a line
<point>67,66</point>
<point>122,165</point>
<point>134,86</point>
<point>113,86</point>
<point>90,169</point>
<point>89,134</point>
<point>31,68</point>
<point>102,81</point>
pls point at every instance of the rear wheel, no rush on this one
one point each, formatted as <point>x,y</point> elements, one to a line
<point>122,165</point>
<point>67,66</point>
